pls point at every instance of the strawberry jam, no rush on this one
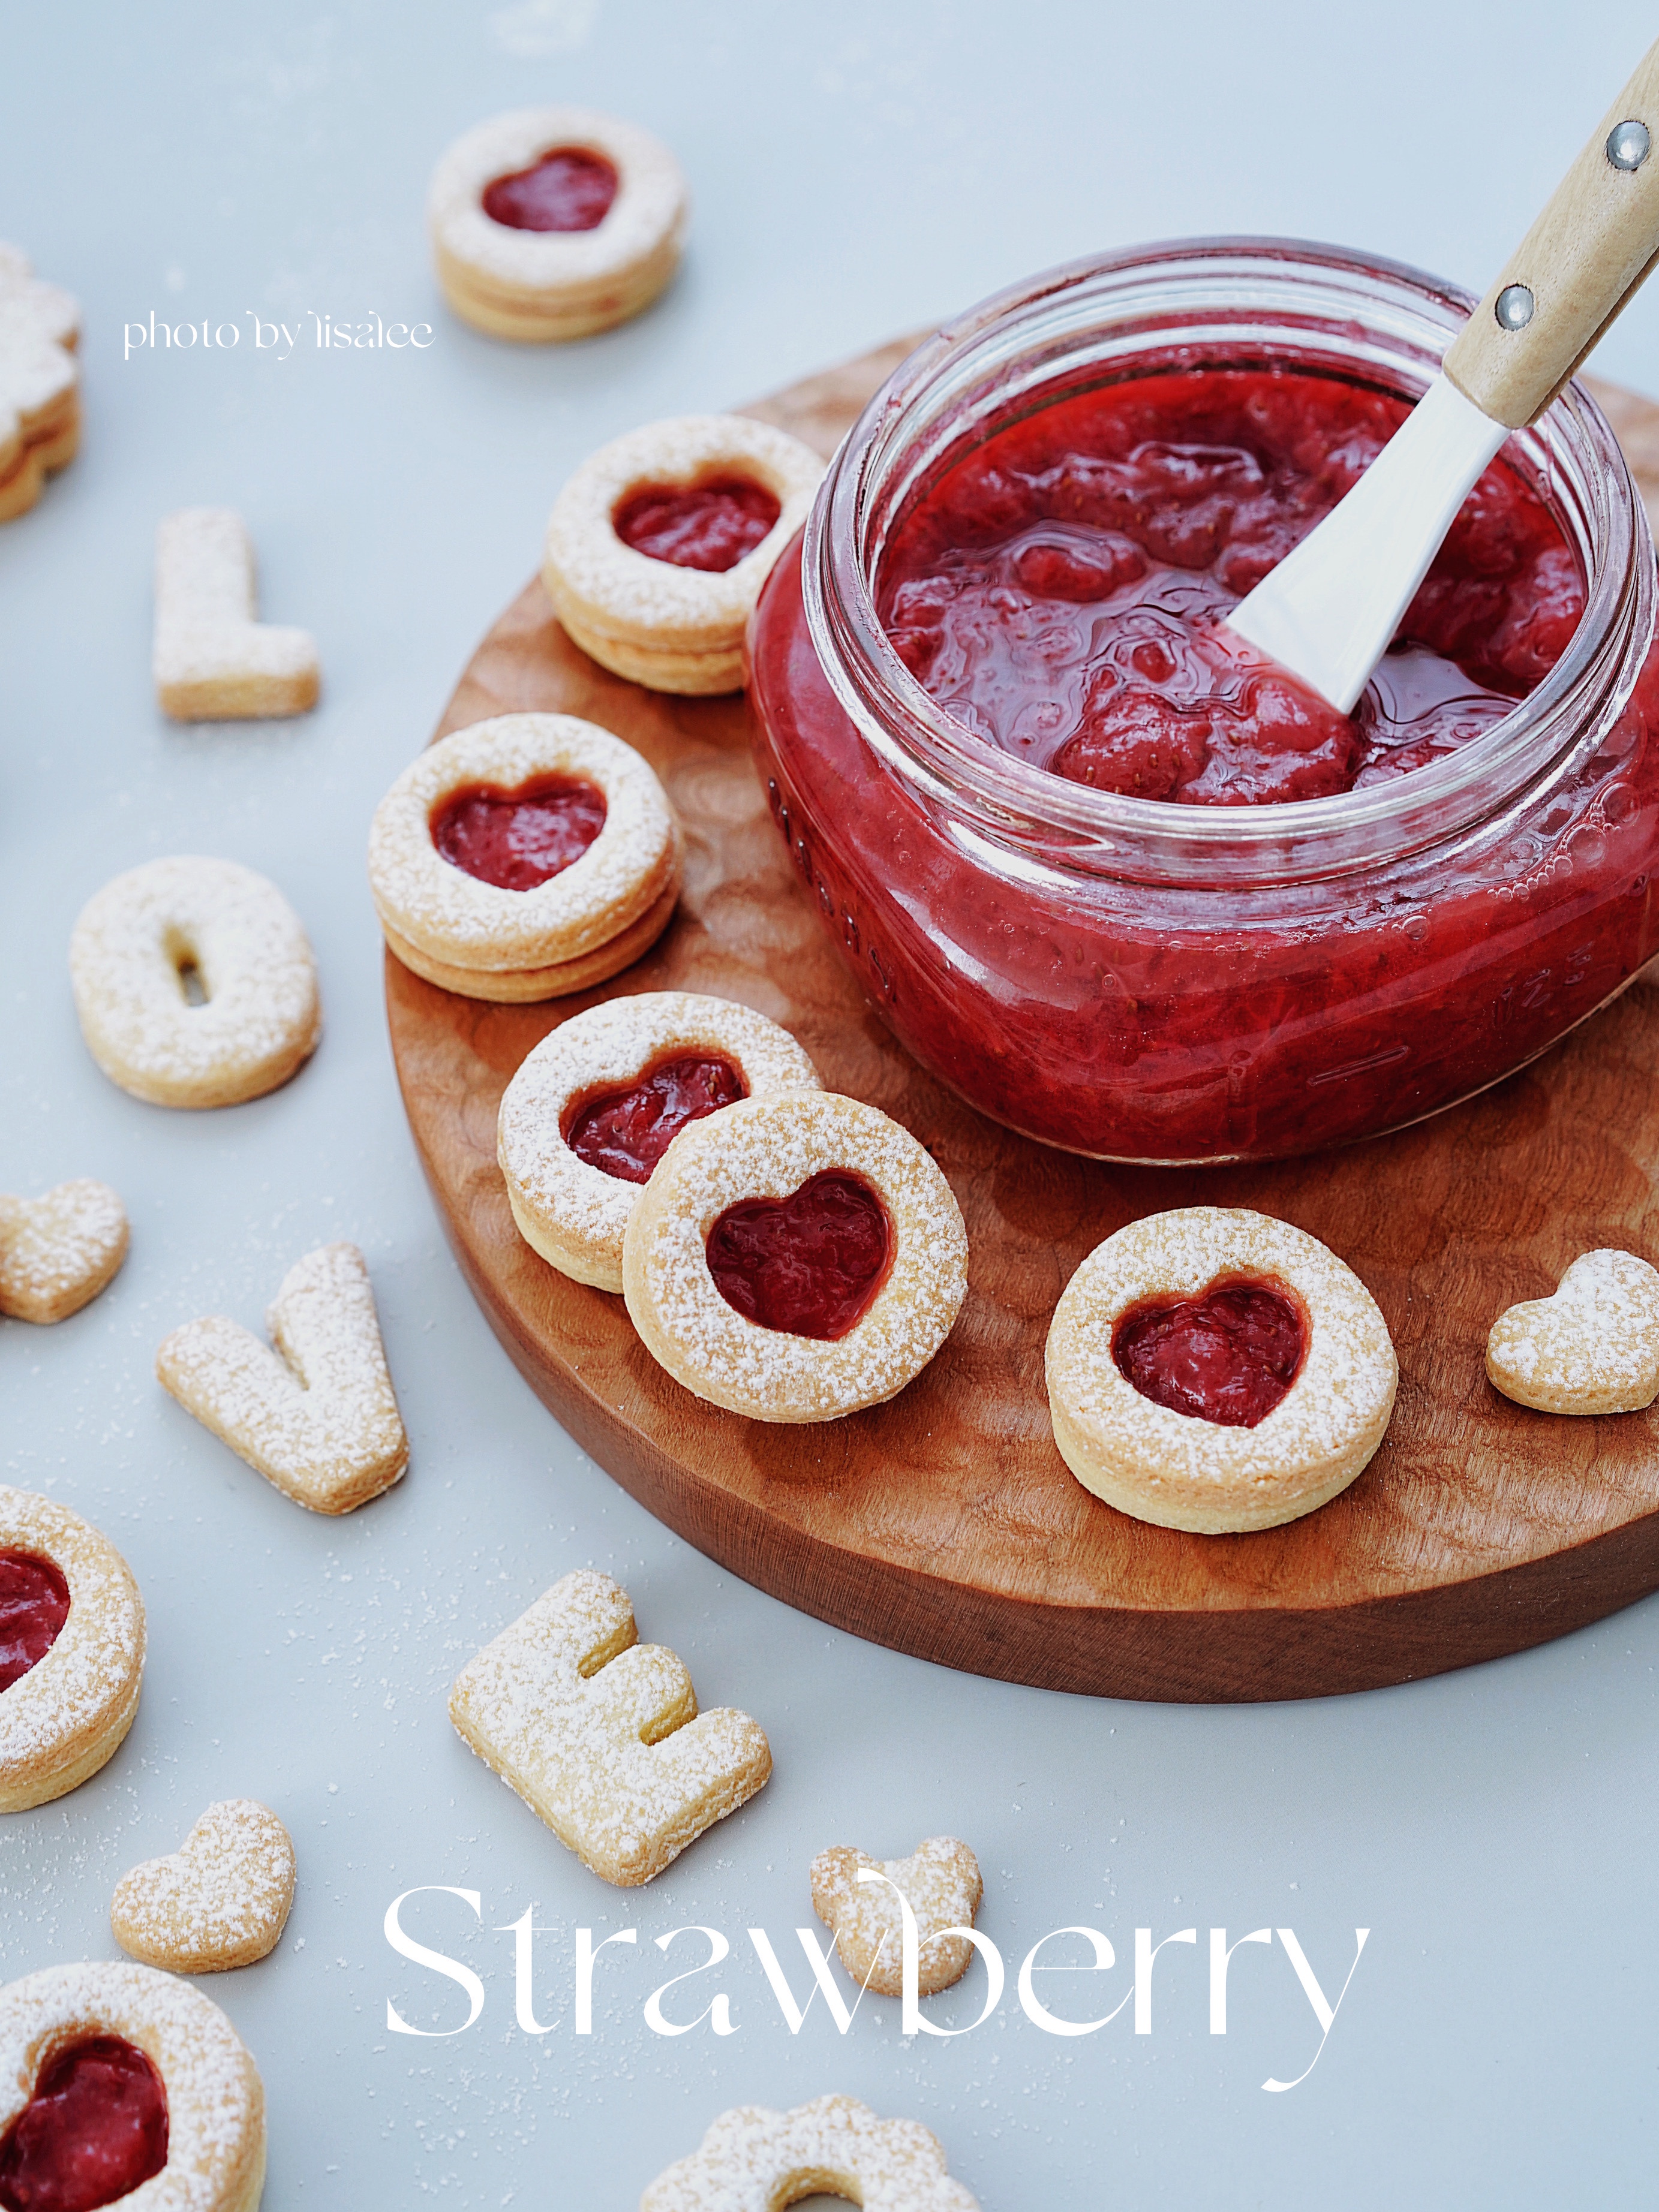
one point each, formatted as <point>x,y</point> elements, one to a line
<point>1229,1355</point>
<point>568,189</point>
<point>707,526</point>
<point>93,2130</point>
<point>625,1132</point>
<point>810,1264</point>
<point>518,839</point>
<point>33,1606</point>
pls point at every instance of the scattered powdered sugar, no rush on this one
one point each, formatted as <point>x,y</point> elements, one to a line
<point>59,1250</point>
<point>600,1735</point>
<point>754,2161</point>
<point>940,1881</point>
<point>260,1018</point>
<point>207,629</point>
<point>221,1900</point>
<point>88,1682</point>
<point>215,2100</point>
<point>1592,1347</point>
<point>767,1148</point>
<point>318,1417</point>
<point>456,917</point>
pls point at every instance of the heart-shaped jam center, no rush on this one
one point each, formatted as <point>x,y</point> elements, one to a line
<point>94,2128</point>
<point>810,1264</point>
<point>625,1132</point>
<point>568,188</point>
<point>33,1606</point>
<point>518,839</point>
<point>707,526</point>
<point>1228,1356</point>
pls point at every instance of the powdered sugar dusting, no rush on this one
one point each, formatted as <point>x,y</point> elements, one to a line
<point>39,376</point>
<point>600,1735</point>
<point>212,655</point>
<point>86,1688</point>
<point>59,1250</point>
<point>752,2160</point>
<point>1593,1347</point>
<point>221,1900</point>
<point>939,1881</point>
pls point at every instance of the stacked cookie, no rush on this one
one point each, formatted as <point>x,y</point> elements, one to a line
<point>39,381</point>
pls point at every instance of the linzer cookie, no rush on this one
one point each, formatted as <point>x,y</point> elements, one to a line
<point>317,1417</point>
<point>600,1735</point>
<point>594,1107</point>
<point>58,1251</point>
<point>214,660</point>
<point>752,2160</point>
<point>122,2085</point>
<point>194,983</point>
<point>525,858</point>
<point>796,1258</point>
<point>221,1900</point>
<point>554,223</point>
<point>1214,1370</point>
<point>658,545</point>
<point>71,1652</point>
<point>1591,1348</point>
<point>39,382</point>
<point>940,1881</point>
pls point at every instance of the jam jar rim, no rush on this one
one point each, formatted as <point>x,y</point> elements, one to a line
<point>1161,301</point>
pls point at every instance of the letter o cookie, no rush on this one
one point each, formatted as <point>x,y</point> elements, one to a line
<point>140,940</point>
<point>65,1714</point>
<point>571,1212</point>
<point>534,284</point>
<point>595,916</point>
<point>671,628</point>
<point>1180,1470</point>
<point>208,2152</point>
<point>756,2160</point>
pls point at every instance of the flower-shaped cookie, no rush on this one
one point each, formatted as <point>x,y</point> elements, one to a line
<point>221,1900</point>
<point>39,382</point>
<point>58,1251</point>
<point>940,1881</point>
<point>1592,1347</point>
<point>756,2160</point>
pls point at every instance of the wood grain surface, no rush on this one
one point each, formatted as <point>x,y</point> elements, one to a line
<point>945,1523</point>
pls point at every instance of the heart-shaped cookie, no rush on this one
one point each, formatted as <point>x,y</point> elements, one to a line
<point>940,1881</point>
<point>221,1900</point>
<point>58,1251</point>
<point>1591,1348</point>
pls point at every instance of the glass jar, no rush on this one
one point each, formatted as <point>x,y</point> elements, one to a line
<point>1141,981</point>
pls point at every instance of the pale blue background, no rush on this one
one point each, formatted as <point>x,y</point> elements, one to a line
<point>857,169</point>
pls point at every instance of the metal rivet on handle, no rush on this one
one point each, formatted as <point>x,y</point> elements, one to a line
<point>1629,144</point>
<point>1513,307</point>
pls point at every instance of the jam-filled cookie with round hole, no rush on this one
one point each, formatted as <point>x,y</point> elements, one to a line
<point>658,545</point>
<point>122,2085</point>
<point>594,1107</point>
<point>1214,1370</point>
<point>795,1257</point>
<point>71,1650</point>
<point>524,858</point>
<point>194,983</point>
<point>554,223</point>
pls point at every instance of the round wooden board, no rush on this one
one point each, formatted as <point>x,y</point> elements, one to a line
<point>946,1523</point>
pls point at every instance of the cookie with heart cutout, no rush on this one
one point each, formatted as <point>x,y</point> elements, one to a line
<point>71,1649</point>
<point>940,1881</point>
<point>121,2086</point>
<point>221,1900</point>
<point>1592,1346</point>
<point>58,1251</point>
<point>754,2160</point>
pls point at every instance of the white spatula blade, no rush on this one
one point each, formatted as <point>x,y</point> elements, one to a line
<point>1327,611</point>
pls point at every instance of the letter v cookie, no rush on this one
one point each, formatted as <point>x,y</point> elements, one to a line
<point>600,1735</point>
<point>215,660</point>
<point>318,1416</point>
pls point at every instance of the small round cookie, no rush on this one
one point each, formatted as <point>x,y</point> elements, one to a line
<point>150,938</point>
<point>1214,1370</point>
<point>221,1900</point>
<point>658,545</point>
<point>58,1251</point>
<point>122,2085</point>
<point>1592,1346</point>
<point>594,1107</point>
<point>794,1258</point>
<point>554,223</point>
<point>523,857</point>
<point>754,2160</point>
<point>71,1649</point>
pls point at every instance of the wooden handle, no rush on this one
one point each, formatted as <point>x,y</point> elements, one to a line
<point>1582,259</point>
